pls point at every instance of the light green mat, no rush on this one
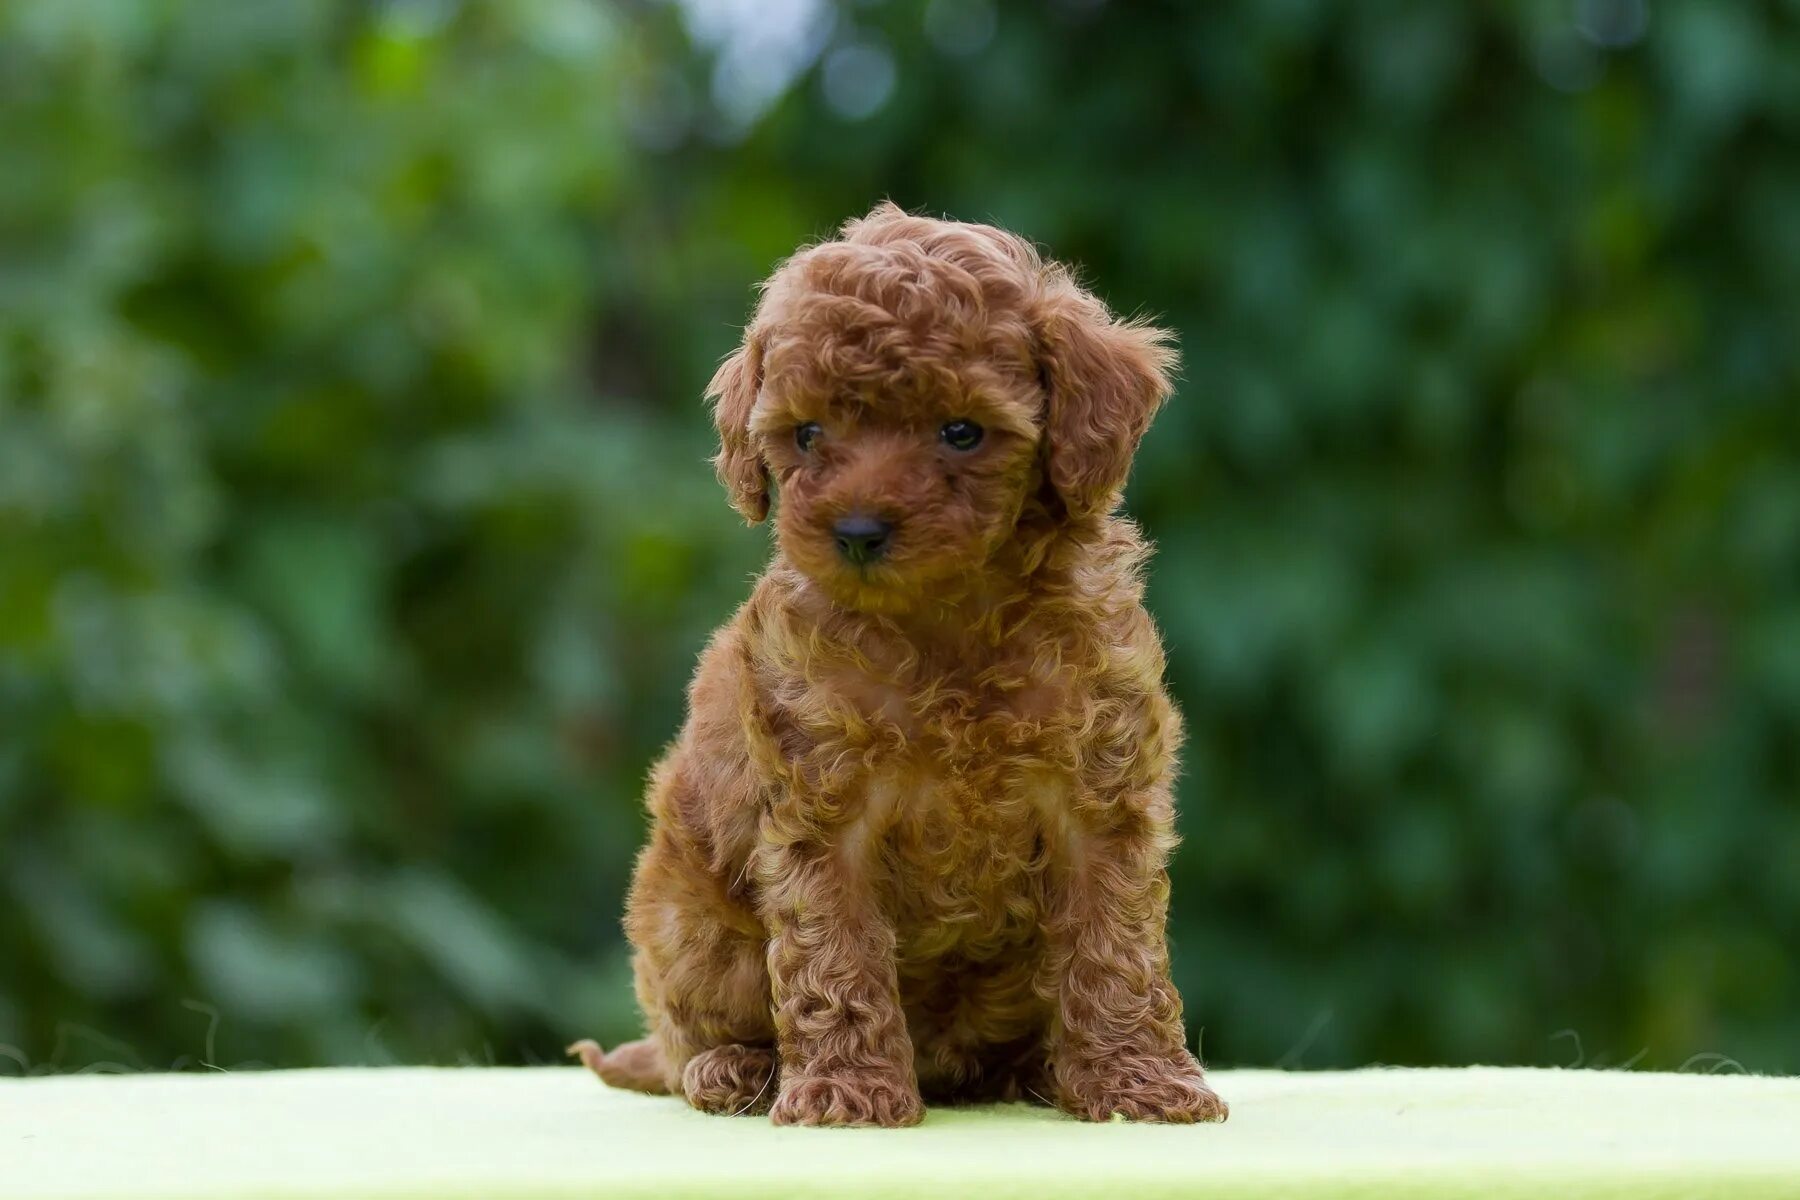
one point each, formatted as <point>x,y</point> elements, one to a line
<point>558,1132</point>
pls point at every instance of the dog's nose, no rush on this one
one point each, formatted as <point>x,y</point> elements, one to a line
<point>861,539</point>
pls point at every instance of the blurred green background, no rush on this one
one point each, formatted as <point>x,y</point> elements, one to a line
<point>357,540</point>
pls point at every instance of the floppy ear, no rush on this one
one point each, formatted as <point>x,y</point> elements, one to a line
<point>733,394</point>
<point>1105,379</point>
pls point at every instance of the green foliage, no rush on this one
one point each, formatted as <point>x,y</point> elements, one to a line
<point>356,538</point>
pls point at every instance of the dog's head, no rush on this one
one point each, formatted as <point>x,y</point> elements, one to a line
<point>914,387</point>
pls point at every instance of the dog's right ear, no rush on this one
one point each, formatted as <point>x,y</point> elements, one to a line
<point>733,394</point>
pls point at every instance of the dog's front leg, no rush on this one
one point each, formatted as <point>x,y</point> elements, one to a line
<point>1119,1046</point>
<point>846,1058</point>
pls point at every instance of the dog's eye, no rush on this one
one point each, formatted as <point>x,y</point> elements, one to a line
<point>806,433</point>
<point>961,435</point>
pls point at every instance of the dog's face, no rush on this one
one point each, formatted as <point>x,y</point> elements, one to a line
<point>911,388</point>
<point>888,489</point>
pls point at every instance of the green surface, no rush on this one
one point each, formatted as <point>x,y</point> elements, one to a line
<point>556,1132</point>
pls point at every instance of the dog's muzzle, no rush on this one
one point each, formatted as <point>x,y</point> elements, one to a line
<point>861,539</point>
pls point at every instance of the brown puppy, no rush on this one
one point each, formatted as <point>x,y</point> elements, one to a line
<point>912,839</point>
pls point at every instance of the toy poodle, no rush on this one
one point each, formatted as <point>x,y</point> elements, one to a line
<point>912,840</point>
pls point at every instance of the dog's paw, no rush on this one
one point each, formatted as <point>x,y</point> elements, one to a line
<point>850,1099</point>
<point>1173,1092</point>
<point>730,1080</point>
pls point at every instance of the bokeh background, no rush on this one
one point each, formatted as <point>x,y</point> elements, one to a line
<point>356,535</point>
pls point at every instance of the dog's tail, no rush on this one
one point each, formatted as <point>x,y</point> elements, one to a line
<point>637,1066</point>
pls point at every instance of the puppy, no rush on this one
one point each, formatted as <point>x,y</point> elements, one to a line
<point>912,840</point>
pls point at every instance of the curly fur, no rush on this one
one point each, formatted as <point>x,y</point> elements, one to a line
<point>912,839</point>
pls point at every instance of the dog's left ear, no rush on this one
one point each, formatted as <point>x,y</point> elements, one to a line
<point>1105,379</point>
<point>733,394</point>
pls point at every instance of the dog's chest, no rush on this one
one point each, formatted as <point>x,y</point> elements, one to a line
<point>963,854</point>
<point>967,717</point>
<point>965,776</point>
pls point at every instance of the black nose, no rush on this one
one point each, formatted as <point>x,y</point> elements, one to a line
<point>861,539</point>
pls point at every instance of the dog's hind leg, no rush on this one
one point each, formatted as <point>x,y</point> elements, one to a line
<point>703,983</point>
<point>731,1080</point>
<point>717,1043</point>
